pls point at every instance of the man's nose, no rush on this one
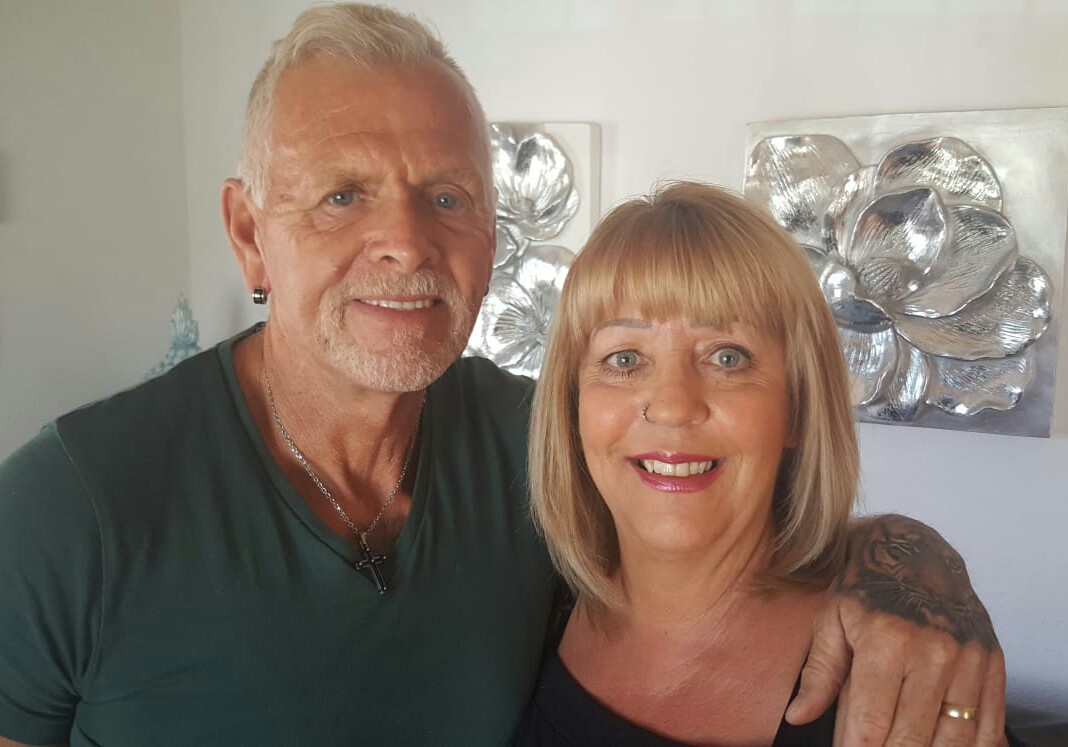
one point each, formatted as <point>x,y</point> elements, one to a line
<point>400,234</point>
<point>676,397</point>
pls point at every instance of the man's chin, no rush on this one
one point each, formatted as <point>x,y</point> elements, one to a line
<point>396,369</point>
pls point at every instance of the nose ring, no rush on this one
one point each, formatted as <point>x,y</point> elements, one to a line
<point>645,413</point>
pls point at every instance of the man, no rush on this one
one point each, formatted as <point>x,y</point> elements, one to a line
<point>316,533</point>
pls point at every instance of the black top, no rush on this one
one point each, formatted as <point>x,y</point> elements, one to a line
<point>562,712</point>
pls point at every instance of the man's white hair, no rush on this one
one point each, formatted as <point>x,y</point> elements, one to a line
<point>369,35</point>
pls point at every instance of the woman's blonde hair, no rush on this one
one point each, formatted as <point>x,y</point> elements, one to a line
<point>698,252</point>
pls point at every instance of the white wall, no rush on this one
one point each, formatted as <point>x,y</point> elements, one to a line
<point>672,83</point>
<point>93,244</point>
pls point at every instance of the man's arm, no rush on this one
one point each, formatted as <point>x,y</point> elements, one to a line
<point>904,634</point>
<point>50,579</point>
<point>9,743</point>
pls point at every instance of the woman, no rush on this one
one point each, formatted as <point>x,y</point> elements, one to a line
<point>693,463</point>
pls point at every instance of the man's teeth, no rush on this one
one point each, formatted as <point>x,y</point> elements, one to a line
<point>684,469</point>
<point>425,303</point>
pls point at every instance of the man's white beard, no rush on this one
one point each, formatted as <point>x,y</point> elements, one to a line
<point>405,365</point>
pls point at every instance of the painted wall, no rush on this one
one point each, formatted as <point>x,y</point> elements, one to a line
<point>672,83</point>
<point>93,242</point>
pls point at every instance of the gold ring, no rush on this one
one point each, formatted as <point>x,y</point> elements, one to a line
<point>962,712</point>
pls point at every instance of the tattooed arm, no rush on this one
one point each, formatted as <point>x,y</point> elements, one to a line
<point>904,634</point>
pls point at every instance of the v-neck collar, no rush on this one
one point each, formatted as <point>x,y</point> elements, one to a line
<point>400,561</point>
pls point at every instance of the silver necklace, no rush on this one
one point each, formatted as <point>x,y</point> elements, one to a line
<point>368,560</point>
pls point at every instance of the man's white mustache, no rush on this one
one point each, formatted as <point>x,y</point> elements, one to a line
<point>423,283</point>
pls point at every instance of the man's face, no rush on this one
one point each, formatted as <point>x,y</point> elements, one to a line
<point>377,228</point>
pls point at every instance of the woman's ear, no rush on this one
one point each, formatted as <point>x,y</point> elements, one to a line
<point>240,214</point>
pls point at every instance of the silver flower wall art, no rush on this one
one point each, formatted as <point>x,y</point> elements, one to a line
<point>939,242</point>
<point>547,180</point>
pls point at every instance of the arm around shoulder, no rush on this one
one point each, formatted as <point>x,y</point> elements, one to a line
<point>50,577</point>
<point>910,641</point>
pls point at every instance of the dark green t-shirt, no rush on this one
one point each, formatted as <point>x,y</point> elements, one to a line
<point>161,582</point>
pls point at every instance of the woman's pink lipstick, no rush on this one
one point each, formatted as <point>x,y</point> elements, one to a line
<point>672,483</point>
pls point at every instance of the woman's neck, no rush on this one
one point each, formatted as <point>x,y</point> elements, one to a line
<point>681,591</point>
<point>696,653</point>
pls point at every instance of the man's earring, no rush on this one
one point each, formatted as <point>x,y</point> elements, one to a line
<point>259,296</point>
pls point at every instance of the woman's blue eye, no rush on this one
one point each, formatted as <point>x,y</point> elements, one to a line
<point>623,359</point>
<point>446,200</point>
<point>730,357</point>
<point>341,199</point>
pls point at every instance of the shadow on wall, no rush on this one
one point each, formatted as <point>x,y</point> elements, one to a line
<point>5,189</point>
<point>5,205</point>
<point>1038,728</point>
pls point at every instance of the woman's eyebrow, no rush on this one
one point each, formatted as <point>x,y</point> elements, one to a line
<point>634,323</point>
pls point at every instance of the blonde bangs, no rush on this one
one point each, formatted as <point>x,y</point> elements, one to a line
<point>673,261</point>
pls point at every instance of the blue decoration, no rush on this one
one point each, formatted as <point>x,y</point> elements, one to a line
<point>185,335</point>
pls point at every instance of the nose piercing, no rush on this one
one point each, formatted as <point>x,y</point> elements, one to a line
<point>645,413</point>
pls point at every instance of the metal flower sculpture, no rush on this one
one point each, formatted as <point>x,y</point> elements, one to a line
<point>532,175</point>
<point>935,305</point>
<point>536,198</point>
<point>514,322</point>
<point>185,337</point>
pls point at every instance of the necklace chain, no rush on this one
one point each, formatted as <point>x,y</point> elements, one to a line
<point>319,483</point>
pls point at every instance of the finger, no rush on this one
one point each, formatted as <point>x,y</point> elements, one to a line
<point>875,684</point>
<point>824,672</point>
<point>922,689</point>
<point>839,721</point>
<point>991,726</point>
<point>963,690</point>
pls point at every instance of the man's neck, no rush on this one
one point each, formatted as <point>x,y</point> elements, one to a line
<point>355,441</point>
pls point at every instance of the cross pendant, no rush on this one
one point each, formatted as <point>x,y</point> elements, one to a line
<point>370,561</point>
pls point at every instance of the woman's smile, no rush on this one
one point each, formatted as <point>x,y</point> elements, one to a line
<point>675,472</point>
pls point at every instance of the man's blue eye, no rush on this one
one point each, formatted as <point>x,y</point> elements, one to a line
<point>446,200</point>
<point>341,199</point>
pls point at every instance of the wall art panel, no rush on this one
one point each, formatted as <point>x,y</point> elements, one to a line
<point>939,242</point>
<point>547,177</point>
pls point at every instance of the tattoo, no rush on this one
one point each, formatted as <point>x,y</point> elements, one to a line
<point>901,566</point>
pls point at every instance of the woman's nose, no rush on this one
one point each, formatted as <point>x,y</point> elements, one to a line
<point>675,397</point>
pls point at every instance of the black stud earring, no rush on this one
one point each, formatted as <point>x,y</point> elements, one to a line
<point>259,296</point>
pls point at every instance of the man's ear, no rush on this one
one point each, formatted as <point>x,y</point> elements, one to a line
<point>239,219</point>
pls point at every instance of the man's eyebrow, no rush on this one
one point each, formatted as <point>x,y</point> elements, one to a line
<point>336,176</point>
<point>462,174</point>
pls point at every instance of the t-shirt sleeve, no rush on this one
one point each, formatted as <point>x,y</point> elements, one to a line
<point>50,577</point>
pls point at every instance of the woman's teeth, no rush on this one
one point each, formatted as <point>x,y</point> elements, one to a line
<point>683,469</point>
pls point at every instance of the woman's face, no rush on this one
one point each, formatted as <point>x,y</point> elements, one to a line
<point>699,467</point>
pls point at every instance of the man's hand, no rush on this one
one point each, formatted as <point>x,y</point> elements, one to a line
<point>907,622</point>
